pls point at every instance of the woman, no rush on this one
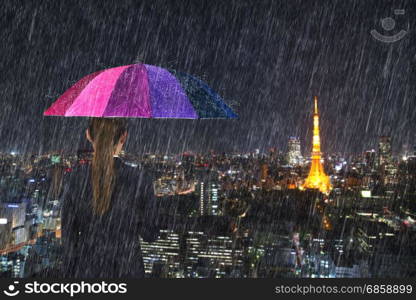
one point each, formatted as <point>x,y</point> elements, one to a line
<point>107,205</point>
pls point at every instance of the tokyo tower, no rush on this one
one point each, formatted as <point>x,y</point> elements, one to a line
<point>317,179</point>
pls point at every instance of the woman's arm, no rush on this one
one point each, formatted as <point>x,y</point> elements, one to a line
<point>70,223</point>
<point>149,212</point>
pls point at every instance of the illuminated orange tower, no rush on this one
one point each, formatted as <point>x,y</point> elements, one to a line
<point>317,179</point>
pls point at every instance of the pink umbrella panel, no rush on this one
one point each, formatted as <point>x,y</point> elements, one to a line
<point>140,91</point>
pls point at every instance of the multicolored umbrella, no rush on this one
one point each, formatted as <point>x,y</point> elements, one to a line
<point>140,91</point>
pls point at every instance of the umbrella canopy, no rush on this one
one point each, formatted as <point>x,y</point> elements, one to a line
<point>140,91</point>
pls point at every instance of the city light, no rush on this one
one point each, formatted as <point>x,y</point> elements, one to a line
<point>366,194</point>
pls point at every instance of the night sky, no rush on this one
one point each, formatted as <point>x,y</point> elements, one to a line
<point>267,59</point>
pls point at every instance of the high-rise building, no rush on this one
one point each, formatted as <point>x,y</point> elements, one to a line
<point>12,228</point>
<point>294,155</point>
<point>370,160</point>
<point>385,160</point>
<point>208,198</point>
<point>210,256</point>
<point>264,173</point>
<point>385,156</point>
<point>207,188</point>
<point>317,179</point>
<point>165,251</point>
<point>14,213</point>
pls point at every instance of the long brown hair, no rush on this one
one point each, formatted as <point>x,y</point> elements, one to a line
<point>105,133</point>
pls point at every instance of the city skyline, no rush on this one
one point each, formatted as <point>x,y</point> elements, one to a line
<point>283,191</point>
<point>401,152</point>
<point>190,249</point>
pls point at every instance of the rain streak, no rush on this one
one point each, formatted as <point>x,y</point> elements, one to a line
<point>208,139</point>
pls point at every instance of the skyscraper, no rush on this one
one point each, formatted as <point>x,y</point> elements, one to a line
<point>385,156</point>
<point>317,179</point>
<point>264,173</point>
<point>385,160</point>
<point>207,188</point>
<point>164,251</point>
<point>211,255</point>
<point>294,155</point>
<point>370,160</point>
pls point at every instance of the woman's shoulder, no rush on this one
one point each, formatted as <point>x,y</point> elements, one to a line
<point>75,184</point>
<point>76,172</point>
<point>128,173</point>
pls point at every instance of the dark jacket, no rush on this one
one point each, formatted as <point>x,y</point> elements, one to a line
<point>108,246</point>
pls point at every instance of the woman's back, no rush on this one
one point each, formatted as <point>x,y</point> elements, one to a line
<point>107,245</point>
